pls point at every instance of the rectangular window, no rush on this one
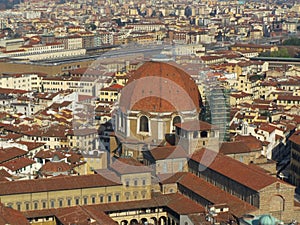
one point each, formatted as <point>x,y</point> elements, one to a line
<point>77,201</point>
<point>85,200</point>
<point>93,200</point>
<point>101,198</point>
<point>44,205</point>
<point>60,202</point>
<point>69,201</point>
<point>164,167</point>
<point>109,198</point>
<point>35,205</point>
<point>52,202</point>
<point>117,197</point>
<point>27,206</point>
<point>180,165</point>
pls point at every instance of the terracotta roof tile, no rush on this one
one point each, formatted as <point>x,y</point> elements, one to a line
<point>52,167</point>
<point>11,136</point>
<point>48,154</point>
<point>168,152</point>
<point>235,170</point>
<point>194,126</point>
<point>214,194</point>
<point>31,145</point>
<point>18,163</point>
<point>11,153</point>
<point>11,216</point>
<point>252,142</point>
<point>267,127</point>
<point>54,183</point>
<point>175,202</point>
<point>234,148</point>
<point>129,165</point>
<point>295,138</point>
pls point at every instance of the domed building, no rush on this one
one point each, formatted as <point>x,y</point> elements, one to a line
<point>157,96</point>
<point>267,220</point>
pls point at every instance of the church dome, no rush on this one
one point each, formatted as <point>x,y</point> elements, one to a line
<point>160,87</point>
<point>266,220</point>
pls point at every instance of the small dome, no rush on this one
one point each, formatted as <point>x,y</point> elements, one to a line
<point>266,220</point>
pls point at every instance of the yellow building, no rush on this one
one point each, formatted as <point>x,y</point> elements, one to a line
<point>59,192</point>
<point>259,48</point>
<point>111,93</point>
<point>128,181</point>
<point>238,98</point>
<point>83,138</point>
<point>95,160</point>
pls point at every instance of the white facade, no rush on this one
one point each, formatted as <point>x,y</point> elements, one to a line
<point>27,82</point>
<point>46,55</point>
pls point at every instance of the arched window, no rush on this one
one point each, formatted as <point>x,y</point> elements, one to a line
<point>276,203</point>
<point>176,120</point>
<point>144,124</point>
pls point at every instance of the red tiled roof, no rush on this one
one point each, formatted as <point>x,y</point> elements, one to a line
<point>11,91</point>
<point>288,97</point>
<point>11,216</point>
<point>252,142</point>
<point>168,152</point>
<point>214,194</point>
<point>194,126</point>
<point>235,170</point>
<point>234,148</point>
<point>176,202</point>
<point>113,87</point>
<point>11,136</point>
<point>211,57</point>
<point>4,173</point>
<point>55,184</point>
<point>52,167</point>
<point>18,163</point>
<point>129,165</point>
<point>267,127</point>
<point>48,154</point>
<point>31,145</point>
<point>11,153</point>
<point>80,216</point>
<point>295,138</point>
<point>184,206</point>
<point>240,95</point>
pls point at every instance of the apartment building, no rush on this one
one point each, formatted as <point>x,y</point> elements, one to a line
<point>24,81</point>
<point>80,85</point>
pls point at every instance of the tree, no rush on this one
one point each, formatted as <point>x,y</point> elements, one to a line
<point>91,26</point>
<point>282,53</point>
<point>292,41</point>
